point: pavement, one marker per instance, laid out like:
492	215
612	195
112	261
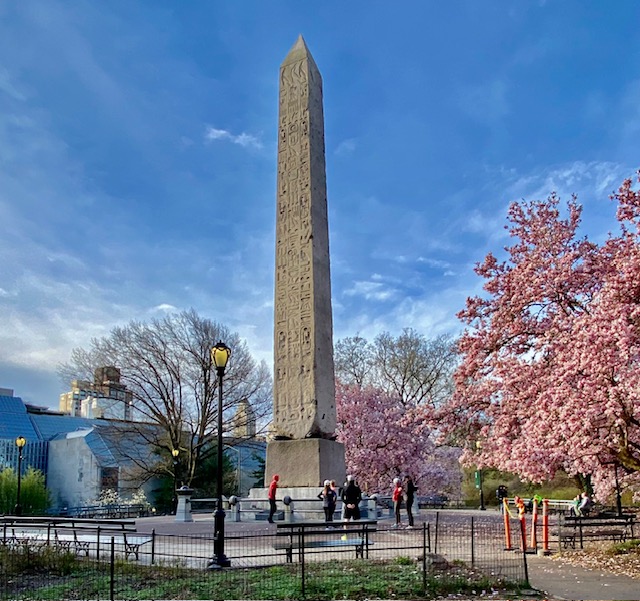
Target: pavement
559	580
554	579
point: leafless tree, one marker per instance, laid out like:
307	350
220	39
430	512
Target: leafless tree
353	358
167	365
410	367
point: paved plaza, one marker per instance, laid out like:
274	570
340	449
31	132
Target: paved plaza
556	579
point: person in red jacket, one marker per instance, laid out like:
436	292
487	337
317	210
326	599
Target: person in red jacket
397	501
272	497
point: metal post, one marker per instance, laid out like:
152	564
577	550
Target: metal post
18	508
523	535
219	559
424	557
174	498
473	550
482	507
112	569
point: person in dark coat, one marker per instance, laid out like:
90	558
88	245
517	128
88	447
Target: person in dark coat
351	497
329	499
410	490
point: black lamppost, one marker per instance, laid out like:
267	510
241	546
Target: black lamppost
220	354
174	499
20	442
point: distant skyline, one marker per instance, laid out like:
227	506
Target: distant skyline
138	156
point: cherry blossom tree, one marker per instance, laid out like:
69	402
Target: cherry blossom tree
384	439
550	375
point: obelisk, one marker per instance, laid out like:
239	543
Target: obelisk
304	452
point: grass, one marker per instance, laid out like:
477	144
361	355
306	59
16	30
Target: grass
626	548
77	578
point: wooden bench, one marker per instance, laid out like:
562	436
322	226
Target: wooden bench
325	535
77	534
22	539
114	510
132	544
83	543
577	529
60	542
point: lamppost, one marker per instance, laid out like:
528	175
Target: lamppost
175	453
479	480
20	442
220	354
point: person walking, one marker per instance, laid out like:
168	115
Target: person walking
410	491
396	497
351	497
329	498
272	497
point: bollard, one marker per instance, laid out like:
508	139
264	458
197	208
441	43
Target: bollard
234	506
507	525
533	543
288	509
545	526
372	509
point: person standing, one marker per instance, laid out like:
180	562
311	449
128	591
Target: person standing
329	498
351	497
272	497
501	495
410	491
396	497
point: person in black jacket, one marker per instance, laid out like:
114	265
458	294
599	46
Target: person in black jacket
351	497
329	498
410	491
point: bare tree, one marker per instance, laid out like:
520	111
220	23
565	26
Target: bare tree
354	361
167	365
412	368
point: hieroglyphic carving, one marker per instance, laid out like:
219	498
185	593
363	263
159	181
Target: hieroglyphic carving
304	391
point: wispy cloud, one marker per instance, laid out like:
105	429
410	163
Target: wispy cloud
586	179
7	86
371	291
164	308
346	147
435	263
245	140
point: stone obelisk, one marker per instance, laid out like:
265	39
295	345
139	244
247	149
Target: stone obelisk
304	452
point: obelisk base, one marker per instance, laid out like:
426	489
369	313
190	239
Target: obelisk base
307	462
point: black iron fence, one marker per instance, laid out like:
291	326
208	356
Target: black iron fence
314	561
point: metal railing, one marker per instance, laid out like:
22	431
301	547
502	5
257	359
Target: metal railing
440	548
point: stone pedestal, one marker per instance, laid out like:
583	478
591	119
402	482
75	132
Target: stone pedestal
183	512
305	463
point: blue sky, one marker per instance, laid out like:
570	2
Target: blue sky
138	156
